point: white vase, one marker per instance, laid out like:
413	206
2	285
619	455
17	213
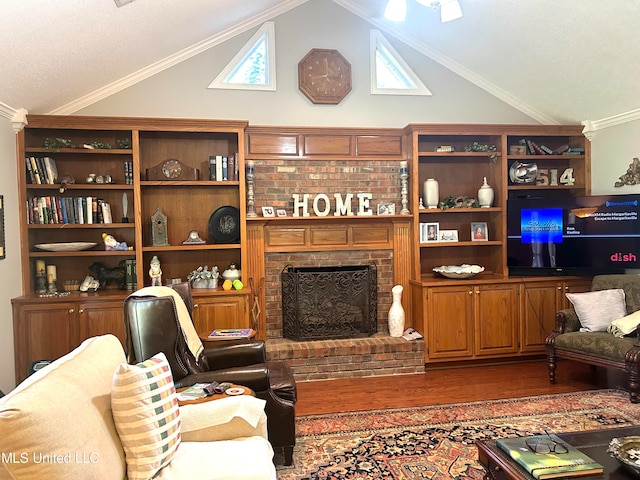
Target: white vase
485	195
396	313
431	193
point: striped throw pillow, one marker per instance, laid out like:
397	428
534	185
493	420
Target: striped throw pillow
146	414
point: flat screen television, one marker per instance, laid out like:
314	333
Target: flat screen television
574	235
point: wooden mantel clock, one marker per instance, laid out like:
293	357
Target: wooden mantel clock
324	76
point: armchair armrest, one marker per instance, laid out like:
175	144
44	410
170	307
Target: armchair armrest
567	321
224	419
236	355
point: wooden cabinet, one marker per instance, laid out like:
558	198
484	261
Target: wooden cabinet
224	310
469	321
539	302
48	330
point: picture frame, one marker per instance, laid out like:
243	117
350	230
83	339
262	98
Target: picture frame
386	209
281	212
268	212
479	232
2	239
429	232
448	236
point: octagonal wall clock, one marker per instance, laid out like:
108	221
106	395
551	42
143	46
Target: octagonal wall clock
324	76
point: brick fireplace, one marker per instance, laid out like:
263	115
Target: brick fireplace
330	241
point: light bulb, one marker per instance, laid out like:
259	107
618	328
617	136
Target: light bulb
396	10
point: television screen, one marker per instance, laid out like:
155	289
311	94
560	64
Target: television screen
573	236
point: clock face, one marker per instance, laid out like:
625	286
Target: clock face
324	76
171	169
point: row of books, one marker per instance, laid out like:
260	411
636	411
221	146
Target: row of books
78	210
41	170
130	272
223	167
534	148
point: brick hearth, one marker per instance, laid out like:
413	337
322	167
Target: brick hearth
378	355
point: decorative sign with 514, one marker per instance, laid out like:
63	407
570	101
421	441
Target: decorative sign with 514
549	176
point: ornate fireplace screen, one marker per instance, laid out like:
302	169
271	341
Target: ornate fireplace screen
320	303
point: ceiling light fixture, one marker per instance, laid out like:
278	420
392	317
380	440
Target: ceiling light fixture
396	10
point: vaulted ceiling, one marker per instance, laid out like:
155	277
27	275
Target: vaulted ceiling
566	60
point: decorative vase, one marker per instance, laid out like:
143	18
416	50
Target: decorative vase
396	313
431	193
485	195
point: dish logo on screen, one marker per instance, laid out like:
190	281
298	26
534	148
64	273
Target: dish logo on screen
624	257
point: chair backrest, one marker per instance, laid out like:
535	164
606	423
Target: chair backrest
630	283
152	326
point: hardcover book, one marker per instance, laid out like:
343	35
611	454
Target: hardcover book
553	463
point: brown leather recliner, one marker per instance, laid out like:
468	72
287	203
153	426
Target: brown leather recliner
152	326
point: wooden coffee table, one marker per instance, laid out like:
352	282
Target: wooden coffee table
498	464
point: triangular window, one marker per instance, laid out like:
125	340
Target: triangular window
390	74
254	66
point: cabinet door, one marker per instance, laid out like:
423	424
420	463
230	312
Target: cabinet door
539	304
449	322
220	311
496	314
571	286
42	332
100	318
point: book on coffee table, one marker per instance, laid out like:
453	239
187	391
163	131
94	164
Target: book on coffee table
558	458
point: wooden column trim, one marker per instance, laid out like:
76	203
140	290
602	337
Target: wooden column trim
256	274
402	263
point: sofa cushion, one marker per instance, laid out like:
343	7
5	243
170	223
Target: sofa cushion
596	310
246	458
597	344
64	410
146	414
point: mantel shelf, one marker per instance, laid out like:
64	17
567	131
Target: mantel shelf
330	218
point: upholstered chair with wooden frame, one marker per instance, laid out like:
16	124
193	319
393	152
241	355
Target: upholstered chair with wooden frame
152	326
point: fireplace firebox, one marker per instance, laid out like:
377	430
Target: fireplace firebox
320	303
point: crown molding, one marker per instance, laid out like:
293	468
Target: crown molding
18	116
591	127
176	58
6	111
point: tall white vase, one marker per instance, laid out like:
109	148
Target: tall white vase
396	313
431	193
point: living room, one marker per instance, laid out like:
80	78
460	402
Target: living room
180	87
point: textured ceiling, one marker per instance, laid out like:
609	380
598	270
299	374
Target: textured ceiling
566	60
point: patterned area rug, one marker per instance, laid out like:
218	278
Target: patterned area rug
438	442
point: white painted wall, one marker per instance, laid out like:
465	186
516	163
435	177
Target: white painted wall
181	92
10	280
612	151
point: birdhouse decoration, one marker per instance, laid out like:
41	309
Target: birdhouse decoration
159	229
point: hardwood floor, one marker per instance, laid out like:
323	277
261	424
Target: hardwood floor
451	385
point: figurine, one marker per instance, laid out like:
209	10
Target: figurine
110	243
155	273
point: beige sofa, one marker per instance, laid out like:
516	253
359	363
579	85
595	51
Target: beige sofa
58	424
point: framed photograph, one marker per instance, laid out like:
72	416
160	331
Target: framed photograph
429	232
281	212
268	212
479	232
386	209
448	235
